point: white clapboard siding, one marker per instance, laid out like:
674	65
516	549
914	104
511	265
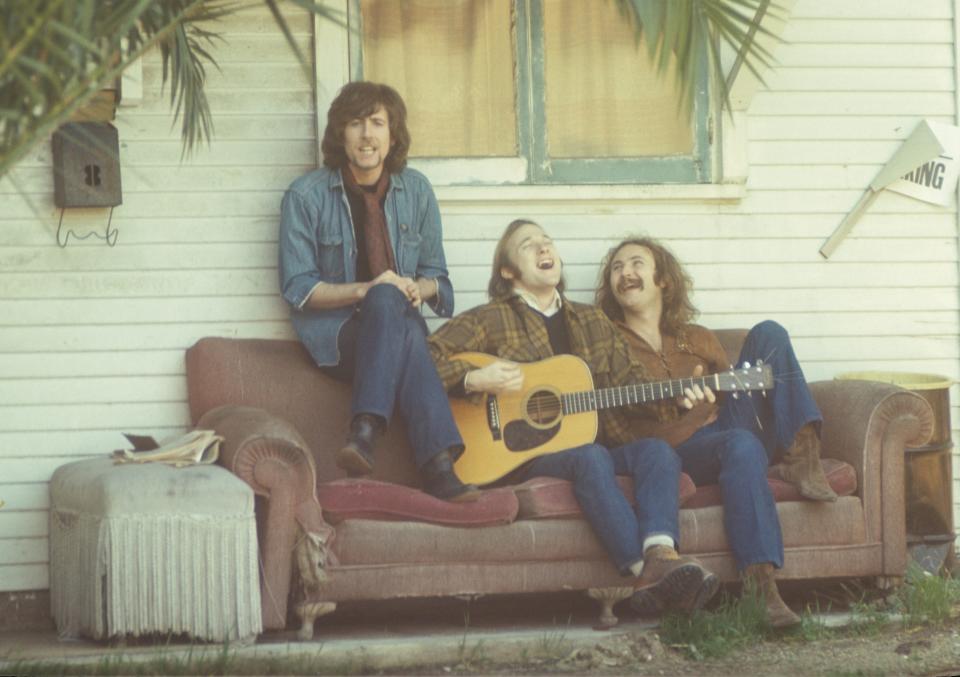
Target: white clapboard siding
92	338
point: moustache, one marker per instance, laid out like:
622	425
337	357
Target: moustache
630	284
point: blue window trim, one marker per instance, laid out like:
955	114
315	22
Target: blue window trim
533	135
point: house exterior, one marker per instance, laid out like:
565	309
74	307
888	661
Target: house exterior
92	337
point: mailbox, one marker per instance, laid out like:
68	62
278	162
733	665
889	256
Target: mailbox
86	165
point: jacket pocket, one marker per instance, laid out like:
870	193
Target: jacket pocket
409	252
330	258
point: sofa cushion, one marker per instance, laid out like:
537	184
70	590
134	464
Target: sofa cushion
373	500
841	477
551	497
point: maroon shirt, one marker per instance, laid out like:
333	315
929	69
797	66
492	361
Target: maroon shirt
693	345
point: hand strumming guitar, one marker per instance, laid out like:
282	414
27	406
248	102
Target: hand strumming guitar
497	377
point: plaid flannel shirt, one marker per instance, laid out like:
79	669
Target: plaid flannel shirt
511	330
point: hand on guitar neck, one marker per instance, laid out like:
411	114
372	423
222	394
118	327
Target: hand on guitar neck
694	394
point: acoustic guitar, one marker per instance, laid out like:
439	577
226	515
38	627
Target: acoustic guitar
557	410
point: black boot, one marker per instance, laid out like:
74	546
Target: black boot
440	481
356	456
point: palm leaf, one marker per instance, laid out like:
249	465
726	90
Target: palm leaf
687	32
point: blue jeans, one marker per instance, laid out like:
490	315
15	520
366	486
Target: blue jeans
383	351
655	470
776	418
749	431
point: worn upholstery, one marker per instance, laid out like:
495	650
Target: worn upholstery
139	549
283	419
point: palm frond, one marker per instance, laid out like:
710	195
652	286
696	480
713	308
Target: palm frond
687	33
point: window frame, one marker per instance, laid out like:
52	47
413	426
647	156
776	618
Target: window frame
533	166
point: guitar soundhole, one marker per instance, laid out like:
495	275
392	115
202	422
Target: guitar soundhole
542	408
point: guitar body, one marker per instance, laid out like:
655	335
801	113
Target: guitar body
502	432
557	410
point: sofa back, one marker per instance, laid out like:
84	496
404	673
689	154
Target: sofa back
280	377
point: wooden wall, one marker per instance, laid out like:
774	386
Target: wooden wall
92	337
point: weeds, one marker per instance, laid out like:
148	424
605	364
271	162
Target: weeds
554	644
812	628
714	634
926	598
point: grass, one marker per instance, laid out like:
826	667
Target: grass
731	624
924	599
735	623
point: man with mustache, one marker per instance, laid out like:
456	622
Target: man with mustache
645	291
528	319
360	249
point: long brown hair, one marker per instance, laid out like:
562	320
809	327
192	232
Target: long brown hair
500	287
358	100
678	310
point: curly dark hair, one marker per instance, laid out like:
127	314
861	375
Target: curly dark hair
500	287
358	100
678	310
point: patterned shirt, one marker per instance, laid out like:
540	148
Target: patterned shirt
510	329
691	347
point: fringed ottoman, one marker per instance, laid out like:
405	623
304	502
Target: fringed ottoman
140	549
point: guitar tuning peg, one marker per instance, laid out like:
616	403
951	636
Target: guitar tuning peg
746	365
760	363
736	395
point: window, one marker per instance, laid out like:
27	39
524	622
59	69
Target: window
530	91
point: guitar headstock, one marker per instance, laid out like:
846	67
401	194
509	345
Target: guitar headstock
746	378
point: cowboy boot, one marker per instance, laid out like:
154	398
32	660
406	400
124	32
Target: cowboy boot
800	466
669	581
760	577
440	481
356	456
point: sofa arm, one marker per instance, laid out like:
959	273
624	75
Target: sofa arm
868	424
863	415
271	456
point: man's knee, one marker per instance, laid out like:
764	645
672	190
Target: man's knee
592	458
743	449
382	298
653	452
770	330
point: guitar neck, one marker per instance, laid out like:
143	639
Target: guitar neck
640	393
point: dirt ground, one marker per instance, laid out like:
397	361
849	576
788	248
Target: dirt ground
881	648
891	652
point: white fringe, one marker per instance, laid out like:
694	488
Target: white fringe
147	574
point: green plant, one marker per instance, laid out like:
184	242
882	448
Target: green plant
554	644
926	598
867	618
713	634
812	627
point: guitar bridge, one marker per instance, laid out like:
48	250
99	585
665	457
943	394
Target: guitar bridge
493	418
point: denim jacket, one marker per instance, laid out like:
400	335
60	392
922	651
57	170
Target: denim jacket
317	246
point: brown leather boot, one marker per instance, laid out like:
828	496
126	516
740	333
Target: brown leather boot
669	581
801	467
760	576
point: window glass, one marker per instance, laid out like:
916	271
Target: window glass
604	97
453	63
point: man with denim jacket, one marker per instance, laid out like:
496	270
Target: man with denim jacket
360	249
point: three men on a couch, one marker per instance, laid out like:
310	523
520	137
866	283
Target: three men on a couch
361	248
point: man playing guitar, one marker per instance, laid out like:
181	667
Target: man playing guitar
645	290
528	319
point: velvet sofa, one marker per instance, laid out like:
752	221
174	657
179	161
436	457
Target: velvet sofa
325	539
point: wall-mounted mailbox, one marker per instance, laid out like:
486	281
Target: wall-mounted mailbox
86	165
